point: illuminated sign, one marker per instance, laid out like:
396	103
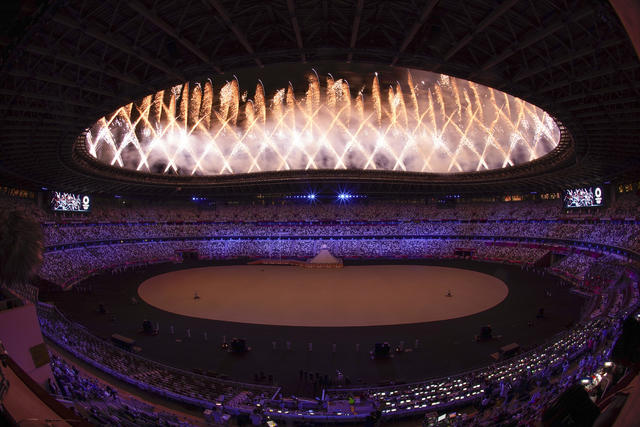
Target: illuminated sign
588	197
69	202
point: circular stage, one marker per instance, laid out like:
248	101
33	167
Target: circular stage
371	295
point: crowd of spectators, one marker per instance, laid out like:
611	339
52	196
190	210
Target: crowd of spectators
516	390
373	219
575	265
624	235
607	270
101	404
616	225
67	266
115	236
76	249
173	383
512	253
513	391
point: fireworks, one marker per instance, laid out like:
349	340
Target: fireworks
444	125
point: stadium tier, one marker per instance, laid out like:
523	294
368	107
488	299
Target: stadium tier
320	212
597	255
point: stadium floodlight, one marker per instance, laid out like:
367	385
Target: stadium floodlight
311	196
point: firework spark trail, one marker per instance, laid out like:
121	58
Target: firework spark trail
414	97
381	144
516	135
393	106
331	93
131	135
268	141
456	94
377	103
354	141
91	146
463	141
156	111
261	106
336	119
307	128
399	99
234	106
298	139
360	106
226	129
313	93
461	127
346	100
434	136
206	105
157	134
208	147
170	112
291	106
490	142
170	120
184	107
454	160
476	97
194	106
106	135
417	130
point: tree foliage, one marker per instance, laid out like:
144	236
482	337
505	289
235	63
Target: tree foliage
21	242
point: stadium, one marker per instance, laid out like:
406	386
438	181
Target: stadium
320	212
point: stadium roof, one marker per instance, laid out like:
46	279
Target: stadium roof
65	64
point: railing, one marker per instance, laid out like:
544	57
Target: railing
477	374
128	264
25	291
238	386
9	300
474	372
78	329
472	385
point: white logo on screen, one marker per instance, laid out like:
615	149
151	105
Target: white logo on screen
85	203
598	195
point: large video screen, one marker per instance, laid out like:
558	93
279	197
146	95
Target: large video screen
69	202
587	197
